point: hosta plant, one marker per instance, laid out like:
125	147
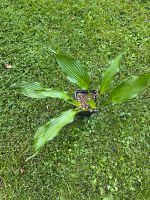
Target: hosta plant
84	100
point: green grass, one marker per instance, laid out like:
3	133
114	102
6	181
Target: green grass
101	157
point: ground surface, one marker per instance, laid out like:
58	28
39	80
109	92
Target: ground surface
103	157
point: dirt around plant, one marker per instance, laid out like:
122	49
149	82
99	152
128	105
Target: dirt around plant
83	98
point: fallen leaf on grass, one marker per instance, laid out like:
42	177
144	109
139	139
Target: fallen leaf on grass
8	66
21	170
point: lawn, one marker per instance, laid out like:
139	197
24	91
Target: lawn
101	157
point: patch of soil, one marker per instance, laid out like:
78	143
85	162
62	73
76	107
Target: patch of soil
83	98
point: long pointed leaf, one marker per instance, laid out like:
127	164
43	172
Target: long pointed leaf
129	88
108	75
52	128
75	72
37	90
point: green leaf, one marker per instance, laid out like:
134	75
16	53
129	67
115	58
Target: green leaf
75	72
52	128
92	103
129	88
37	90
108	75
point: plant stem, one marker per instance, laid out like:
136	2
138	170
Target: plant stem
73	102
